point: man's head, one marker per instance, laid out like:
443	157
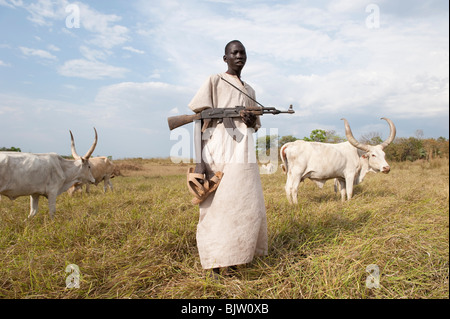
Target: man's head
235	56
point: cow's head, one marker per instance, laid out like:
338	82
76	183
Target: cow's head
374	153
85	175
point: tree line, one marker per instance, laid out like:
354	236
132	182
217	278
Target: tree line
400	150
10	149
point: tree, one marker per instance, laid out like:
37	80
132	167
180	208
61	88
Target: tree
286	139
405	149
371	138
332	137
316	136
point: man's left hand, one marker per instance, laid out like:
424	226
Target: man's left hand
249	118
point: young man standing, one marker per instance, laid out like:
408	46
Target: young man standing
232	227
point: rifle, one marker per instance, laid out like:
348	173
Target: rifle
226	114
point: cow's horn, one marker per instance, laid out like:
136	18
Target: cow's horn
351	139
74	151
91	150
392	133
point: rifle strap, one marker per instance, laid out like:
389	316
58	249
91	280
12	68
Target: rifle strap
242	92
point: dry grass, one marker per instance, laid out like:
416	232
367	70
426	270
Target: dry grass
139	242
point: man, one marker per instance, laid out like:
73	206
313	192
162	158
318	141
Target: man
232	227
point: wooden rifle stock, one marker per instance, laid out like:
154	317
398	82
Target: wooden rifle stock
180	120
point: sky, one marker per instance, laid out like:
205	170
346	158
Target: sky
123	67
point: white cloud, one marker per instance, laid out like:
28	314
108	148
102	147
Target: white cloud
53	47
140	95
174	111
42	11
37	52
92	70
93	54
4	63
131	49
106	33
10	4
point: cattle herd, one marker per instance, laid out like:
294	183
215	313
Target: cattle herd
49	175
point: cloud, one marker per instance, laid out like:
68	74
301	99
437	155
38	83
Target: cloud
37	52
131	49
93	54
91	70
4	64
143	107
149	96
174	111
104	30
53	47
11	3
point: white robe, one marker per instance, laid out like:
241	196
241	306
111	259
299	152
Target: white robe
232	227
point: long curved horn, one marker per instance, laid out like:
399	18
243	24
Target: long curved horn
351	139
91	150
74	151
392	133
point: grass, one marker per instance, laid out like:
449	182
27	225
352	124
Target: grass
139	242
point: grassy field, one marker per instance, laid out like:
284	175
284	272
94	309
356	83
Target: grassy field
139	242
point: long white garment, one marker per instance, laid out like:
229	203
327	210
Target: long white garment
232	227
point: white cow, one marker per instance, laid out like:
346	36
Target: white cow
348	162
49	175
102	169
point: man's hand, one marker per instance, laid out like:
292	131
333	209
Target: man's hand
248	118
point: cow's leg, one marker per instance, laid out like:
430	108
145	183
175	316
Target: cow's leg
106	183
288	187
349	186
87	188
292	182
343	189
294	190
52	205
34	204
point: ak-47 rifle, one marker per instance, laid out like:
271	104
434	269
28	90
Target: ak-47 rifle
226	114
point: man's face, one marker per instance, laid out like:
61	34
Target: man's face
235	57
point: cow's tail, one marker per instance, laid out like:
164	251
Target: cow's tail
284	165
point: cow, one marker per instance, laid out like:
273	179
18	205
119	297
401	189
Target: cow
49	175
348	162
102	169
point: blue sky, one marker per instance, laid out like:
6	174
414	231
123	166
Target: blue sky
131	64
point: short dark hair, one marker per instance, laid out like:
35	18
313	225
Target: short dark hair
230	43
